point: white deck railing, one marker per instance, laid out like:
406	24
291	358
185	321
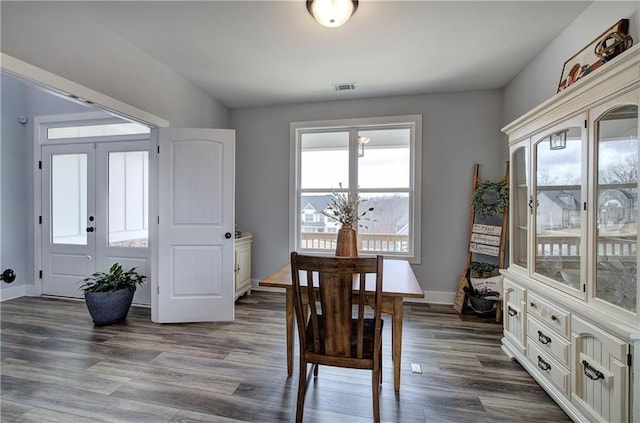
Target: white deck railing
366	242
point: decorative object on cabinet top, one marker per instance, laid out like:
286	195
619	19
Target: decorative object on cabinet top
605	47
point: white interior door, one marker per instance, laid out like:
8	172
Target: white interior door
195	225
95	201
68	219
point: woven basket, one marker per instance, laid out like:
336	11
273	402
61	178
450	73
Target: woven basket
480	274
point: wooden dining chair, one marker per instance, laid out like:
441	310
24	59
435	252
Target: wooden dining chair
335	325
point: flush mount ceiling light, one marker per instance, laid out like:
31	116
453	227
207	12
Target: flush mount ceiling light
332	13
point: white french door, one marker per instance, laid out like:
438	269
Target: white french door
95	211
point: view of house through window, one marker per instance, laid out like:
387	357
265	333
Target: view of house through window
374	162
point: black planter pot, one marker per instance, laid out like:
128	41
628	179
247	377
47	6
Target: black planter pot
107	308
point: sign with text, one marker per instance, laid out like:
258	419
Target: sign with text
485	239
487	229
484	249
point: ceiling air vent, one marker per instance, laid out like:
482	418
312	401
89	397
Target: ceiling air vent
347	86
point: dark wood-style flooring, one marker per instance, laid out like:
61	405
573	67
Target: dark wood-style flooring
58	367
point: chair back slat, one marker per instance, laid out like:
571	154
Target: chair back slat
335	302
311	300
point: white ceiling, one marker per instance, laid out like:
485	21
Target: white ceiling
255	53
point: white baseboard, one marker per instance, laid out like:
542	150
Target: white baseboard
11	292
434	297
430	297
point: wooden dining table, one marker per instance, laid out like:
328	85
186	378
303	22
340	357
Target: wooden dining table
398	282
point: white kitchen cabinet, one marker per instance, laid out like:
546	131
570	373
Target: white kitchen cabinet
570	288
242	265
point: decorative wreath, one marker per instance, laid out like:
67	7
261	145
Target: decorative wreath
491	198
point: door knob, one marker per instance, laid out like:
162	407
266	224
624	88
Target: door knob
90	229
9	275
227	235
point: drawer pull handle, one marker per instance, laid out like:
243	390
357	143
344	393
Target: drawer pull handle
591	372
533	305
512	311
543	364
544	339
554	318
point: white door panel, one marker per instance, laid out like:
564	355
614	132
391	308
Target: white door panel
122	179
68	198
196	220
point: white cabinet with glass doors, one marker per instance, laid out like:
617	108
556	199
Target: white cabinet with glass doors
573	250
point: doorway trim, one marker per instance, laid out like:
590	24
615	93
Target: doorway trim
72	91
40	141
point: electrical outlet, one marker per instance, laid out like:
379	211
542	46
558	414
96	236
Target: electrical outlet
415	368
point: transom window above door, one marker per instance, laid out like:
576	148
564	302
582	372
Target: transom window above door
100	130
375	158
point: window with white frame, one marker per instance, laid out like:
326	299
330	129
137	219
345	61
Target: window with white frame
375	158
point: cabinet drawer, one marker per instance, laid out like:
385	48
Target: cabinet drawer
548	340
549	367
550	314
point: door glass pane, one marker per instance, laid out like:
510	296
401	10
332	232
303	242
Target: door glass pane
128	199
384	159
69	199
617	194
559	206
325	160
520	206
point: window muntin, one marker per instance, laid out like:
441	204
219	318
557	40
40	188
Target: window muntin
384	172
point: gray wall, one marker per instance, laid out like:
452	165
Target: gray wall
458	131
17	172
60	38
539	80
14	167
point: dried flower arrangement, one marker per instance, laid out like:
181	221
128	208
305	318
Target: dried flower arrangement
344	209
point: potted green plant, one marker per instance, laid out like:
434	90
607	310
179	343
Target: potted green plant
109	295
480	269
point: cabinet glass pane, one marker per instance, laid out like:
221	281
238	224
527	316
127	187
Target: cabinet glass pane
520	205
558	206
617	212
